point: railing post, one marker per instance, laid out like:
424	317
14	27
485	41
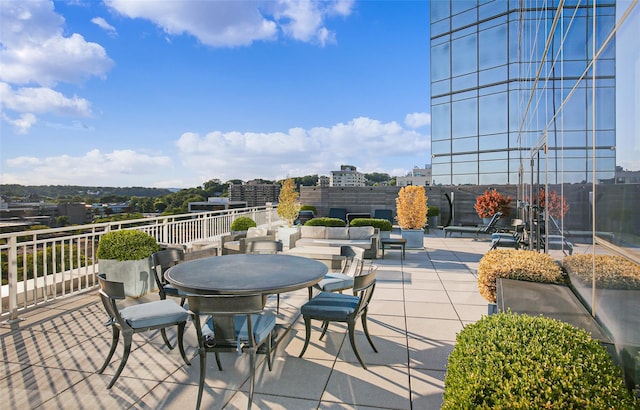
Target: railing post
269	208
13	280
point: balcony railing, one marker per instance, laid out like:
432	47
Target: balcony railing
42	265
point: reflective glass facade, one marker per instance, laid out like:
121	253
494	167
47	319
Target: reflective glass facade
499	87
546	99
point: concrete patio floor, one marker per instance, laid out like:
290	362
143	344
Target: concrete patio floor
49	360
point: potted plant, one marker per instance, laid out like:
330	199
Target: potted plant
433	216
491	202
617	281
411	210
288	207
555	205
242	224
514	264
125	256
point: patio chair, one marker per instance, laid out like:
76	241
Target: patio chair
511	239
160	262
266	247
383	214
343	279
340	213
477	230
136	319
338	307
239	323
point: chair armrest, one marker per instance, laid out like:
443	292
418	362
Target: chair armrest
293	238
230	238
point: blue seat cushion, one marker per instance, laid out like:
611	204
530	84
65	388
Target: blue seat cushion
153	314
170	290
262	325
334	282
330	306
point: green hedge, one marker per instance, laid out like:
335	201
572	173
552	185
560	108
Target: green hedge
127	244
509	361
326	222
242	223
382	224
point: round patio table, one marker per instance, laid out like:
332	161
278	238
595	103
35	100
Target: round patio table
245	274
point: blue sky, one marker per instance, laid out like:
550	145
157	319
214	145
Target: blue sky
174	93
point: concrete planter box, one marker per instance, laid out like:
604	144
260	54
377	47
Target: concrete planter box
414	238
136	275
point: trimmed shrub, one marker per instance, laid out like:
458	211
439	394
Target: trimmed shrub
526	265
242	223
612	271
433	211
509	361
382	224
323	221
127	244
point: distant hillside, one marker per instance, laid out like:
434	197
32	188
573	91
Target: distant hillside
60	191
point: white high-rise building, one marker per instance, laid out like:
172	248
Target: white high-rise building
347	176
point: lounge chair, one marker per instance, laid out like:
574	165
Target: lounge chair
511	239
477	230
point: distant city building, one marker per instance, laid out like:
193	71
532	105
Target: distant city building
20	215
628	177
347	176
324	181
216	204
77	213
254	193
418	176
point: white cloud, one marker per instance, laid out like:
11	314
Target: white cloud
238	23
22	124
116	168
103	24
417	119
42	100
364	142
370	145
34	50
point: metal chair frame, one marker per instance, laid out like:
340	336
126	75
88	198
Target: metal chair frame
110	292
363	288
222	309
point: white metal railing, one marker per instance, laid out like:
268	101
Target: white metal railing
42	265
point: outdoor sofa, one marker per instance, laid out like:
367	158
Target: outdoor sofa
366	237
235	243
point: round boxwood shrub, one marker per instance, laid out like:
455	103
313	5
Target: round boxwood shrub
518	264
242	223
323	221
127	244
509	361
382	224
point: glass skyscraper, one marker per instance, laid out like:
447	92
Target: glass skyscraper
511	82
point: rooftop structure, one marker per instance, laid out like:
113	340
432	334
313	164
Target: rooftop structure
348	176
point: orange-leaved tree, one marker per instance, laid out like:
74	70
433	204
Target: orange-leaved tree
492	202
411	207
